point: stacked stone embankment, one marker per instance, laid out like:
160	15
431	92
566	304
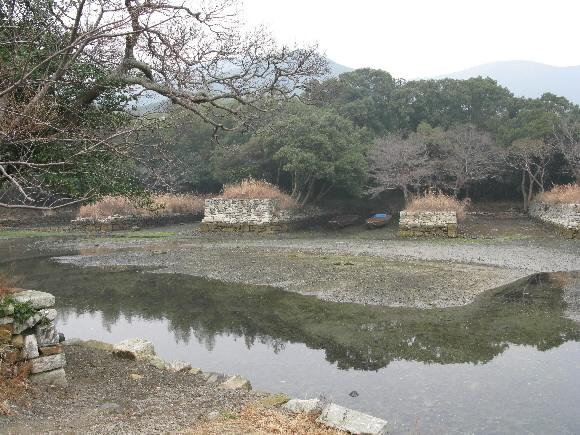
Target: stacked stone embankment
564	217
28	336
242	215
428	223
125	223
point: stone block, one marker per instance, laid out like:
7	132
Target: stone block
37	299
53	377
47	363
135	349
157	362
236	383
6	320
46	334
214	378
352	421
303	405
28	323
30	349
51	350
48	314
178	366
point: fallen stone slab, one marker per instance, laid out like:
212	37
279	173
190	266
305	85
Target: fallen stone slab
155	361
303	405
134	349
213	378
236	383
36	299
48	363
352	421
53	377
178	366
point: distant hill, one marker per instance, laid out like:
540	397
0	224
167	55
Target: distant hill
153	102
528	79
336	69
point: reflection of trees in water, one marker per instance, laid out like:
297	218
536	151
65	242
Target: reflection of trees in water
352	336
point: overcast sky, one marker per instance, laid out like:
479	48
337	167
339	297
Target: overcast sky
424	38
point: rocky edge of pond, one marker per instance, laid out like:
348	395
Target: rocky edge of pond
127	388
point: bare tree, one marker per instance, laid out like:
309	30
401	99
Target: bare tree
68	66
531	157
568	140
469	156
399	163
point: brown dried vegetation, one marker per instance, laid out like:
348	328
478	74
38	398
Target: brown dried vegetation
256	189
433	201
166	204
564	194
262	421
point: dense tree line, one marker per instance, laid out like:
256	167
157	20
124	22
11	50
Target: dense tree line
366	132
70	69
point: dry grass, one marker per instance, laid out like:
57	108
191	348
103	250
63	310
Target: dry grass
256	189
166	204
437	202
262	421
564	194
13	384
7	285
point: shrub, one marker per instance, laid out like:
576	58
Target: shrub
564	194
437	202
256	189
164	204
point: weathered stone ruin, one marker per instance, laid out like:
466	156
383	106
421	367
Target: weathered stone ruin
28	335
125	223
564	217
428	223
244	215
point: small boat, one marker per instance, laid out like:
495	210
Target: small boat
344	221
378	220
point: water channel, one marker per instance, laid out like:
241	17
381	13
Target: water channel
508	363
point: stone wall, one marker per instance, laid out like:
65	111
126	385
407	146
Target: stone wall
428	223
252	215
23	218
124	223
241	211
564	217
28	335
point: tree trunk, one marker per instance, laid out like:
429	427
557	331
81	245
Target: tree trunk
523	187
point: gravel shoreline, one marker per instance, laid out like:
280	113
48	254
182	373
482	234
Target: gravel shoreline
398	273
103	398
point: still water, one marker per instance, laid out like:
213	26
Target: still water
508	363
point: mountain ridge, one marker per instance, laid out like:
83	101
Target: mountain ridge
527	78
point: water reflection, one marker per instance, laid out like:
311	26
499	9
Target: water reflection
529	312
509	363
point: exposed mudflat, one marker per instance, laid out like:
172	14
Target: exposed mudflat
346	267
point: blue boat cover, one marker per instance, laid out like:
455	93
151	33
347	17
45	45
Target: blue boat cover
379	215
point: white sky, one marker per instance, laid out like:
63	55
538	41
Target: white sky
423	38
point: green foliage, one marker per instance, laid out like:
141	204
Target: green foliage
365	96
319	149
22	311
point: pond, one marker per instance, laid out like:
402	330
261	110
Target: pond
508	363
